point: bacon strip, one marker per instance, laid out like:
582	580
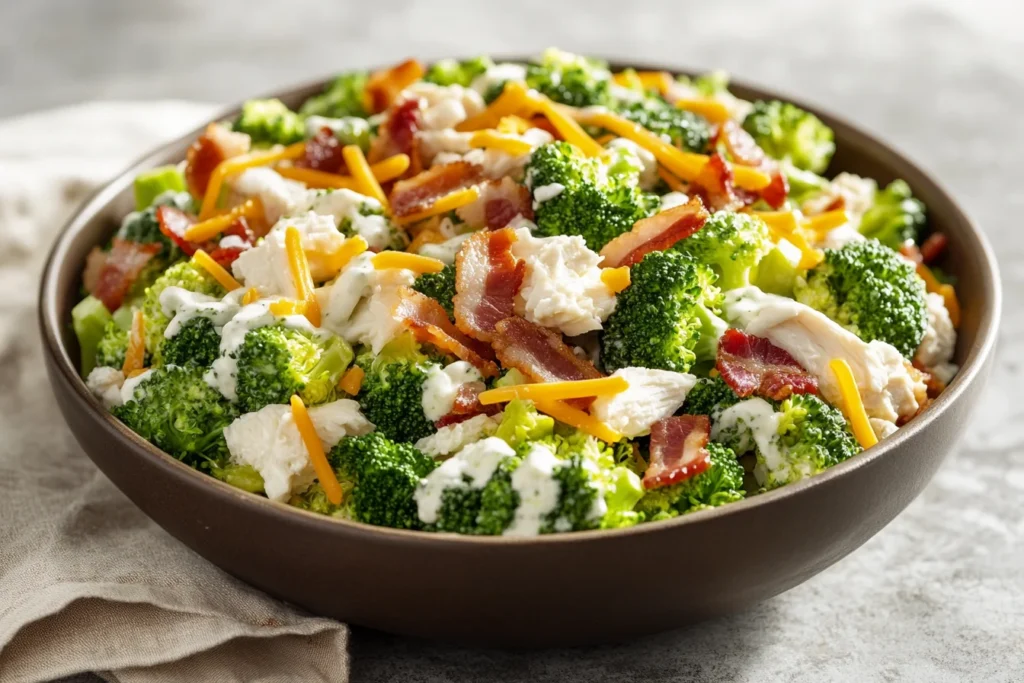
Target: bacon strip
655	233
467	405
174	223
678	450
933	247
750	364
487	279
124	262
215	145
500	201
744	151
397	135
429	322
417	193
715	186
323	153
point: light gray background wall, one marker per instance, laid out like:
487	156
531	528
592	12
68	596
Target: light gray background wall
939	594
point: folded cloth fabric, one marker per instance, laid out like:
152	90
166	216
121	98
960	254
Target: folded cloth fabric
87	582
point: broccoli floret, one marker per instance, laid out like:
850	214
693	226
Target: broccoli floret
777	272
151	184
245	477
571	79
592	204
186	275
270	122
391	396
277	362
439	286
666	319
814	435
315	500
721	483
732	244
895	217
383	475
709	396
708	84
785	131
112	346
454	72
685	129
871	291
177	411
521	425
342	97
196	343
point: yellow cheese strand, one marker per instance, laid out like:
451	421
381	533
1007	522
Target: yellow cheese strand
251	296
509	102
365	180
615	279
215	270
555	391
852	404
493	140
315	449
413	262
383	171
301	277
567	126
352	380
207	230
285	307
578	419
350	248
824	222
237	164
713	110
450	201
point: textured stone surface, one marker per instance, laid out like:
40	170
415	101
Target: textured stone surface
936	596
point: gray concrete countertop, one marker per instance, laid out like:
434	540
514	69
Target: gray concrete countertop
936	596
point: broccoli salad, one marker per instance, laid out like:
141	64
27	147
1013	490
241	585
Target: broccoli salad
516	299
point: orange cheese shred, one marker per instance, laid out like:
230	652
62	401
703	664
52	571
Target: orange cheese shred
365	181
567	127
352	380
285	307
216	270
450	201
383	171
413	262
674	183
301	277
251	296
510	102
713	110
853	407
424	237
615	279
555	391
315	449
824	222
579	419
948	293
208	229
135	355
350	248
491	139
229	167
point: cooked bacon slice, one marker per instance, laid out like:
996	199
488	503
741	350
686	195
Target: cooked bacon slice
94	263
429	323
655	233
417	193
174	223
467	404
487	279
775	193
500	201
323	153
750	364
541	121
124	262
397	135
212	147
740	145
933	247
384	86
715	186
678	450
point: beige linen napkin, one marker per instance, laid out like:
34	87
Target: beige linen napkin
87	582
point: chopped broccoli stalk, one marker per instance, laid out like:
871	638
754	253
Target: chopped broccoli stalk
732	244
521	424
391	396
196	343
895	217
511	378
666	319
277	362
570	79
176	410
439	286
591	204
721	483
270	122
685	129
151	184
89	320
871	291
787	132
186	275
314	499
342	97
382	475
454	72
778	270
803	184
244	477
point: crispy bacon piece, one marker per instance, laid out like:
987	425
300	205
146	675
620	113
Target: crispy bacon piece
215	145
397	135
655	233
541	121
776	191
383	86
429	323
500	201
933	384
909	251
124	262
714	185
323	153
417	193
175	222
487	279
740	145
678	450
94	263
750	364
467	404
933	247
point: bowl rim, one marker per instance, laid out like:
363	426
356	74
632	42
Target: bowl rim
51	323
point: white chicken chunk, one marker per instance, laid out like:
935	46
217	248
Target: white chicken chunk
454	437
279	195
652	395
105	384
939	342
443	106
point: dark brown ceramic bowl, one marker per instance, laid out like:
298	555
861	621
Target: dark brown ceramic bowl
554	590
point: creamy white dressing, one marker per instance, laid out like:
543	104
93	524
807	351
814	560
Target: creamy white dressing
671	200
105	384
279	195
182	305
233	242
445	251
443	384
472	466
499	73
345	205
371	321
652	395
758	424
355	282
132	388
545	192
538	491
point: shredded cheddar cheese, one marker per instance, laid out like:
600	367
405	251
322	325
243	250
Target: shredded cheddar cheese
424	237
824	222
555	391
315	449
229	167
285	307
655	80
251	296
207	230
452	200
352	380
365	181
216	271
628	79
852	404
135	355
567	126
513	125
301	277
383	171
350	248
784	225
946	291
713	110
491	139
674	184
414	262
578	419
615	279
511	102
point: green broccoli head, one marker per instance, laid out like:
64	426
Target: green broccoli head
177	411
186	275
721	483
270	122
709	396
685	129
484	511
112	346
666	319
391	396
732	244
593	204
454	72
571	79
895	217
382	476
871	291
277	362
785	131
342	97
439	286
196	343
521	425
813	435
